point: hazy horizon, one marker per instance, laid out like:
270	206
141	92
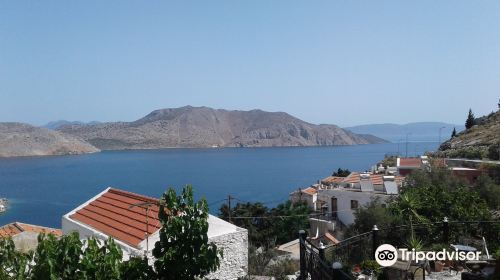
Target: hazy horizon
334	62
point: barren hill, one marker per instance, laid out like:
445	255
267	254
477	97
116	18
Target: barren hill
18	139
206	127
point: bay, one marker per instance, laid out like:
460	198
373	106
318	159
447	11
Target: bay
42	189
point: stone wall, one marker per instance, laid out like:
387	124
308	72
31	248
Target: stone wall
235	261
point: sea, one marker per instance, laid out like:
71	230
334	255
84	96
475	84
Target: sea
41	190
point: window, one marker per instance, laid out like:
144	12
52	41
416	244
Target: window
354	204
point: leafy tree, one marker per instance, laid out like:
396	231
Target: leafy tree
70	258
454	133
372	214
253	217
137	268
494	151
13	264
341	172
268	227
489	191
293	217
470	120
183	251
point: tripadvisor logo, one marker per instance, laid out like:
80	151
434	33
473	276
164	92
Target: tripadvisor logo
387	255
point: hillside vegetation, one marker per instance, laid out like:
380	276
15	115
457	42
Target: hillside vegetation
481	140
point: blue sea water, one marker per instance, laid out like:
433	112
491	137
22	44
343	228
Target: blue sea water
42	189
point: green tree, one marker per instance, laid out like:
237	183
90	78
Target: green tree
494	151
470	120
137	268
341	172
289	219
372	214
489	191
183	251
13	264
454	133
254	218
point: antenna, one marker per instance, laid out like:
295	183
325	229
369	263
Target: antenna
147	206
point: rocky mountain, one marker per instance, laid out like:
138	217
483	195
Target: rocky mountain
18	139
480	141
419	131
206	127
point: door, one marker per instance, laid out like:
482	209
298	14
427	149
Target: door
334	207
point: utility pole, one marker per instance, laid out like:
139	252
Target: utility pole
229	197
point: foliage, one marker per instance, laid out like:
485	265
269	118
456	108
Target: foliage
267	227
341	172
13	264
470	120
281	268
489	191
371	265
454	132
294	217
262	261
426	198
494	151
137	269
372	214
259	226
183	251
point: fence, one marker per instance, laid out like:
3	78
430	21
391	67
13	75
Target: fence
319	262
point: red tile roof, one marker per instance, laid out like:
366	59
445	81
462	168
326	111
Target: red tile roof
332	180
310	191
15	228
352	178
111	214
410	162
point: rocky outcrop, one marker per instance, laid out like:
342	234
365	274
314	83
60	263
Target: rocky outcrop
206	127
480	141
18	139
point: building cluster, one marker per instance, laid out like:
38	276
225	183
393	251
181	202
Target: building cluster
335	199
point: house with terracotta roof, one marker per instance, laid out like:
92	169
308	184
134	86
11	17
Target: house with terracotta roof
25	236
308	195
132	221
342	197
406	166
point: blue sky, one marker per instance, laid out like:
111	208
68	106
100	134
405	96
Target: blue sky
341	62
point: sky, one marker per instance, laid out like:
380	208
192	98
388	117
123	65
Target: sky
338	62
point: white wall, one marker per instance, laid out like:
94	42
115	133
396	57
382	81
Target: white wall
234	264
345	214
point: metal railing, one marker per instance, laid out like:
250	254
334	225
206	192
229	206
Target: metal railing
325	262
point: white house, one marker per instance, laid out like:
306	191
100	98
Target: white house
344	197
308	195
132	221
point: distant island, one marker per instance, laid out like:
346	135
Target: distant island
417	131
206	127
19	139
185	127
